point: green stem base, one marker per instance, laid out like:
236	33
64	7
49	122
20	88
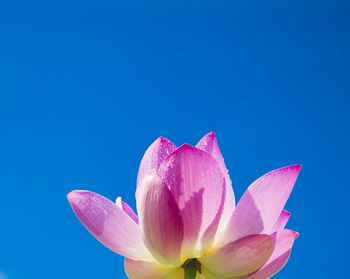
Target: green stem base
190	269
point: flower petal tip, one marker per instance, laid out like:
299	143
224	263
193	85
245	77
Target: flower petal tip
292	170
74	195
154	156
208	139
187	147
163	140
286	212
211	135
295	168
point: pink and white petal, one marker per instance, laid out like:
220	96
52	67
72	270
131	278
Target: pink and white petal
262	203
281	221
160	220
148	270
109	224
127	209
209	144
279	257
210	234
197	184
240	257
154	156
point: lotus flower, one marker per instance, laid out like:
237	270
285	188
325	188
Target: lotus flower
187	222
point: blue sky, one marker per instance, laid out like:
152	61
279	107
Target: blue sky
86	86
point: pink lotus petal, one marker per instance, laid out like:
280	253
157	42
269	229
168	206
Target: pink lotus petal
197	184
260	206
160	220
209	144
127	209
210	233
109	224
281	221
279	257
154	156
240	257
148	270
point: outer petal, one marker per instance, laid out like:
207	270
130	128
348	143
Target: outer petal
240	257
160	220
127	209
209	144
197	184
109	224
281	221
279	257
148	270
154	156
260	206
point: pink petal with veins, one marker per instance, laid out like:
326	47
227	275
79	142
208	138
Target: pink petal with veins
197	184
279	257
209	144
109	224
154	156
160	220
240	257
261	205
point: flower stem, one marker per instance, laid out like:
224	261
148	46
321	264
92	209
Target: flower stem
190	270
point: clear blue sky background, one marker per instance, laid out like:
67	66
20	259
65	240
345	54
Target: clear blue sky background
86	86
